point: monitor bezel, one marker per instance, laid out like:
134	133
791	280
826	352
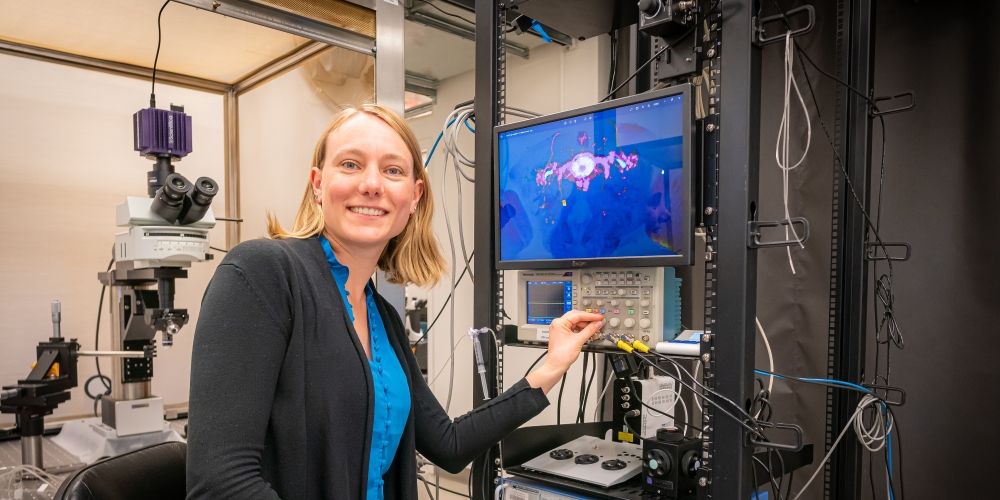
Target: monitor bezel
685	258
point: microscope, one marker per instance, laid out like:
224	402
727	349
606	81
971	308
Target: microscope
165	233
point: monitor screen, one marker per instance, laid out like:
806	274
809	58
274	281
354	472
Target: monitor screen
548	300
604	185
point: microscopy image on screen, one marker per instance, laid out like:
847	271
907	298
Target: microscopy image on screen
607	184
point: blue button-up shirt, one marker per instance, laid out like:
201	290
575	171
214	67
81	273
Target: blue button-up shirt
392	394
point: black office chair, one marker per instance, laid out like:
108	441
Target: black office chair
154	473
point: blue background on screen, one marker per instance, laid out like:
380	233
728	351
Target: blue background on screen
606	184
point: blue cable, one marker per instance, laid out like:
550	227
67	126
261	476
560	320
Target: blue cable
541	31
434	147
819	380
888	443
469	126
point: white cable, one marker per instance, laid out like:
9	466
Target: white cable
770	358
781	149
866	402
10	481
496	492
451	304
597	407
438	374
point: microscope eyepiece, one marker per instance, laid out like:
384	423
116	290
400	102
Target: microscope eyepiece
169	199
200	199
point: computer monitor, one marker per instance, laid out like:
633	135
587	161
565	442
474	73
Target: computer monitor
605	185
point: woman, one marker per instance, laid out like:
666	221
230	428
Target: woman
302	382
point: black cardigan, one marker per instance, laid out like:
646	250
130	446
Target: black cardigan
281	396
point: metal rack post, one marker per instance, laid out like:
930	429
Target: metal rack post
849	269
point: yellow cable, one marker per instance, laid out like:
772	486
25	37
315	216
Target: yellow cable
639	346
625	347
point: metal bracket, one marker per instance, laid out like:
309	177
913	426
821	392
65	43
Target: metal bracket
902	394
873	251
779	446
909	93
762	40
754	227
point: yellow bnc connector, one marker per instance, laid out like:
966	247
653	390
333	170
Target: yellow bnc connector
639	346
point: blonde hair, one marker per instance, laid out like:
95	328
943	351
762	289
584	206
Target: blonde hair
412	256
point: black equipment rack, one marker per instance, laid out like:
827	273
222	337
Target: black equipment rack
727	211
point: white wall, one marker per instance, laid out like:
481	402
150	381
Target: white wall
280	123
66	161
551	80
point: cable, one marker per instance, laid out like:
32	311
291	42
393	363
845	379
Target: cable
601	397
218	249
676	399
428	487
440	311
593	372
435	7
583	388
614	59
159	33
770	357
781	149
535	363
453	492
562	385
455	346
97	338
864	404
643	66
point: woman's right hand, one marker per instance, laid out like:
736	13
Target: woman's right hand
567	334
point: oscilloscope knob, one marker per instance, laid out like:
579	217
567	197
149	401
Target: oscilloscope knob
615	322
621	291
586	302
644	323
629	322
644	303
586	279
614	302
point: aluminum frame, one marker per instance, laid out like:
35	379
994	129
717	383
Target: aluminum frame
684	259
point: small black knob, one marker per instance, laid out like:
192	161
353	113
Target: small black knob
649	7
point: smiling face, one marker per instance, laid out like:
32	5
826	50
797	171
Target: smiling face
366	186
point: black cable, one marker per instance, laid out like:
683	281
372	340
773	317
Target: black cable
593	371
640	68
97	337
159	33
535	363
424	336
453	492
757	432
695	380
665	414
790	476
899	446
439	9
428	487
562	385
219	249
614	59
583	388
756	489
